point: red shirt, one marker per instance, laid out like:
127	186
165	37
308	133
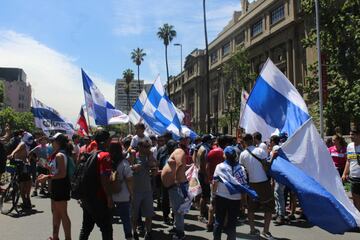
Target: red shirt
104	168
215	156
338	157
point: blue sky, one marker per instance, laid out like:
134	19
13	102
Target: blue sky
51	40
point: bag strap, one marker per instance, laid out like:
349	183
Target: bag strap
256	157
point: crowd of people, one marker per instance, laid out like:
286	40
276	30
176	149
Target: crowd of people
125	177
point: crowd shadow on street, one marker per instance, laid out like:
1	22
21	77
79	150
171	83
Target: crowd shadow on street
22	213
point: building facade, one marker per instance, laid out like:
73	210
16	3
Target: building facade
267	29
121	102
17	91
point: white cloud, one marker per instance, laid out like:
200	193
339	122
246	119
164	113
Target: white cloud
55	78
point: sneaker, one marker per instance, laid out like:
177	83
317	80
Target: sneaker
267	236
254	232
180	236
280	220
34	194
172	231
167	221
209	227
42	192
291	217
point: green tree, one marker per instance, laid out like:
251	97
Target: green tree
167	33
137	55
2	89
237	71
128	75
340	43
17	120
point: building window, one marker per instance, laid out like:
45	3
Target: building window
257	28
226	49
214	57
277	14
240	38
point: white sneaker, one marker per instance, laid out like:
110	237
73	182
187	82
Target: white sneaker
267	236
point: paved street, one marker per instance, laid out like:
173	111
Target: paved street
37	226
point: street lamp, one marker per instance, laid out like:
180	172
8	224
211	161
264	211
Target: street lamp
181	61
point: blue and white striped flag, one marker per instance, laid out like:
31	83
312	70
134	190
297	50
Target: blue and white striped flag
158	113
101	110
48	119
304	164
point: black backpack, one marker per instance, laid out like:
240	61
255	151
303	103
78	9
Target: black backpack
85	180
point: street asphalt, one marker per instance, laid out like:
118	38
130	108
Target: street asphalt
36	225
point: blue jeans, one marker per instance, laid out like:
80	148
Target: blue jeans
177	197
123	209
279	199
225	208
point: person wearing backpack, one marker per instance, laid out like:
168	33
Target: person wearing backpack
60	185
122	187
96	200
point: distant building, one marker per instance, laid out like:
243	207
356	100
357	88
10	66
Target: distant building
17	92
267	29
121	97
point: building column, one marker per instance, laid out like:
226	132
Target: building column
289	61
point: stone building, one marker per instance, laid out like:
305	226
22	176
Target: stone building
121	97
267	29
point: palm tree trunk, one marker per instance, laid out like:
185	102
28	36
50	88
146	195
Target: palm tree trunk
167	72
139	78
207	71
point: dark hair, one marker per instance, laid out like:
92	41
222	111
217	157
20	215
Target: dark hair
171	145
355	130
248	139
126	142
257	136
116	155
275	139
75	136
64	144
140	125
222	141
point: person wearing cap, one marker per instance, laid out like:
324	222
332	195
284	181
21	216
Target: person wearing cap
352	167
21	153
174	179
227	203
98	210
200	163
60	185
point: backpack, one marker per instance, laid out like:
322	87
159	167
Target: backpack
70	166
85	180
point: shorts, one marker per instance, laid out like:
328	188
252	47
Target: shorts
265	201
60	190
205	187
143	201
355	185
24	177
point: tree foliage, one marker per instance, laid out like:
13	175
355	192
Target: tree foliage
237	70
340	43
17	120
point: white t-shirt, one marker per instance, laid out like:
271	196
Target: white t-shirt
353	153
124	171
222	190
53	164
253	166
135	140
263	146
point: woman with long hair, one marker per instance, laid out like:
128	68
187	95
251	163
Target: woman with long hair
60	185
123	194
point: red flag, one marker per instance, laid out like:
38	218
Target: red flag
83	127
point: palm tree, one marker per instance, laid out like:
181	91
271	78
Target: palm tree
128	75
167	34
137	55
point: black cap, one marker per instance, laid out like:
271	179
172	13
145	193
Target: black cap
101	136
206	138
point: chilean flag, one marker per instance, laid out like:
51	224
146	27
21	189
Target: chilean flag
83	127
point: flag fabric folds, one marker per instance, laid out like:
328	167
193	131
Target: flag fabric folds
48	119
101	110
83	126
304	164
273	105
158	113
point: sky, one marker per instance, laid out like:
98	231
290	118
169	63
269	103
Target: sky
52	40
